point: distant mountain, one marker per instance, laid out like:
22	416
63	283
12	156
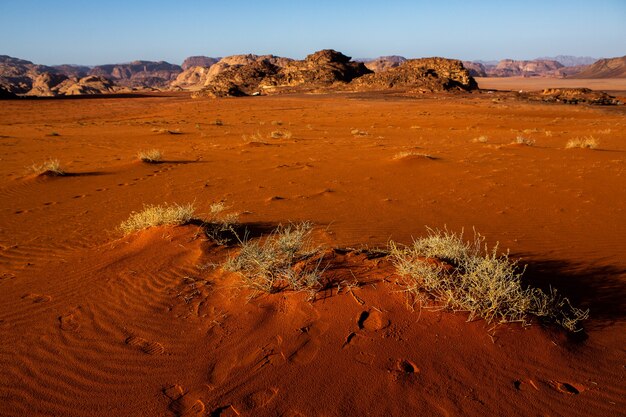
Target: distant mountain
139	73
604	68
198	61
570	61
383	63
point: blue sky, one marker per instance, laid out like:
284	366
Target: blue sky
86	32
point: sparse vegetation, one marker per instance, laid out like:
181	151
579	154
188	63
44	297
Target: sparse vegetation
284	260
412	154
152	156
588	142
481	139
158	215
468	276
521	140
255	137
49	167
220	227
281	134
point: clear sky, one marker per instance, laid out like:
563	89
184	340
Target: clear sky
99	32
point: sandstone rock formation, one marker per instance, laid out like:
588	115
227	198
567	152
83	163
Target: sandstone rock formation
198	61
321	69
604	68
17	75
384	63
570	60
425	74
51	85
577	95
139	73
196	78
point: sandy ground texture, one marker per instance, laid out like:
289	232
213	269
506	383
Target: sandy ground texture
94	323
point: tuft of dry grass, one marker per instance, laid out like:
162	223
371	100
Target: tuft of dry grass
285	260
152	156
521	140
468	276
481	139
158	215
49	167
412	154
281	134
220	226
588	142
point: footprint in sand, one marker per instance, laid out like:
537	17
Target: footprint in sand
69	321
566	388
308	343
257	400
37	298
147	347
404	370
372	321
182	404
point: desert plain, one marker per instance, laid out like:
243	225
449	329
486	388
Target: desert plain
95	322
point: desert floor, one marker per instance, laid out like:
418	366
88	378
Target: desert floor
93	323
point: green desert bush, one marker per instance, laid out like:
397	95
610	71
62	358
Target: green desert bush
284	260
158	215
468	276
588	142
152	156
49	167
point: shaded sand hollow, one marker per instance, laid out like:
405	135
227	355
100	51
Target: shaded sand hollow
96	324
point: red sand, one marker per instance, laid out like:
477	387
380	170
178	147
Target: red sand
95	324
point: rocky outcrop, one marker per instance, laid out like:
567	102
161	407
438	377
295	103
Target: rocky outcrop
79	71
604	68
322	68
240	80
268	74
196	78
577	95
384	63
52	85
425	74
198	61
139	74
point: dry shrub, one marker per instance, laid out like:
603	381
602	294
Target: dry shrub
285	260
221	226
152	156
281	134
49	167
468	276
481	139
521	140
588	142
412	154
357	132
158	215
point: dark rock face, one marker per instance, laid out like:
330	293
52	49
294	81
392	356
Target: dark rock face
198	61
6	94
425	74
139	73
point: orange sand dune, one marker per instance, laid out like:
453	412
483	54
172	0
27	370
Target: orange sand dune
96	324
